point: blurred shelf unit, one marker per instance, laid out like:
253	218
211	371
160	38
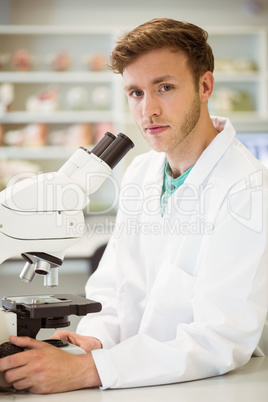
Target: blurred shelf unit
67	65
57	117
56	94
56	76
241	75
36	153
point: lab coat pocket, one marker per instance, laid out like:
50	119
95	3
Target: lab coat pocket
169	303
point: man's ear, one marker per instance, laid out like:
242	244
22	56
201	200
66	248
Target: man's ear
206	85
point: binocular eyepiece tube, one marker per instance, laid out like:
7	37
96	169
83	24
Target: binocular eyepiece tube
100	147
111	149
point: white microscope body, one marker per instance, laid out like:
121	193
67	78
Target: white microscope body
38	217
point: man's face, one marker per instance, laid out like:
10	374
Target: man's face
162	98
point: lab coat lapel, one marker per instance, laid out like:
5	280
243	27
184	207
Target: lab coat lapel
190	211
213	153
152	188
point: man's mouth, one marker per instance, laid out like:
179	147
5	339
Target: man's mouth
153	129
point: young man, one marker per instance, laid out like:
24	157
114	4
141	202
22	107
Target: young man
184	287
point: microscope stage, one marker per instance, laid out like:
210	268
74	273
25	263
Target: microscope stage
50	305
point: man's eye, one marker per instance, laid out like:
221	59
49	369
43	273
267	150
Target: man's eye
136	94
165	88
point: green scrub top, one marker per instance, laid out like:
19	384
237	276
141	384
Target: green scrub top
170	185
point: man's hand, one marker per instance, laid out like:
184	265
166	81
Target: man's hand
46	369
87	343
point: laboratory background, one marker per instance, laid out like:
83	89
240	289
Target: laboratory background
56	95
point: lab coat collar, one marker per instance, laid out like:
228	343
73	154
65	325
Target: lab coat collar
214	151
206	162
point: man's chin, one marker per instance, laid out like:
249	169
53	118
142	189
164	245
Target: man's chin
158	148
155	145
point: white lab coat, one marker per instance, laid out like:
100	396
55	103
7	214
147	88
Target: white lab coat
184	296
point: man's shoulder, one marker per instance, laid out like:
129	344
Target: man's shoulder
147	157
145	168
150	163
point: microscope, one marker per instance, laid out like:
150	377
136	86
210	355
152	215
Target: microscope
38	217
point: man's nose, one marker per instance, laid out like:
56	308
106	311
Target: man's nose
151	106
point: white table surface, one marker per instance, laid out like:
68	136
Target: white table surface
246	384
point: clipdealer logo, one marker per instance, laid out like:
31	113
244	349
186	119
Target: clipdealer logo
245	202
176	227
50	192
132	226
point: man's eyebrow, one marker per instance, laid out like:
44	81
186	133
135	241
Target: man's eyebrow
131	87
162	78
156	80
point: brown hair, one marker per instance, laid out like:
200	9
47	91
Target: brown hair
164	32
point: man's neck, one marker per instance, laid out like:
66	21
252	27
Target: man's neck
188	152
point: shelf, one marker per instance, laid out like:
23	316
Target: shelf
33	153
57	117
56	30
240	76
57	77
235	30
106	76
247	117
247	122
106	29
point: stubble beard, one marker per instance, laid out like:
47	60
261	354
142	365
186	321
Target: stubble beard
186	128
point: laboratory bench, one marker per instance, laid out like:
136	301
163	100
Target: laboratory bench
247	384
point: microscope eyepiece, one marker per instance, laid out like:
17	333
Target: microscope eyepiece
104	143
116	150
111	149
